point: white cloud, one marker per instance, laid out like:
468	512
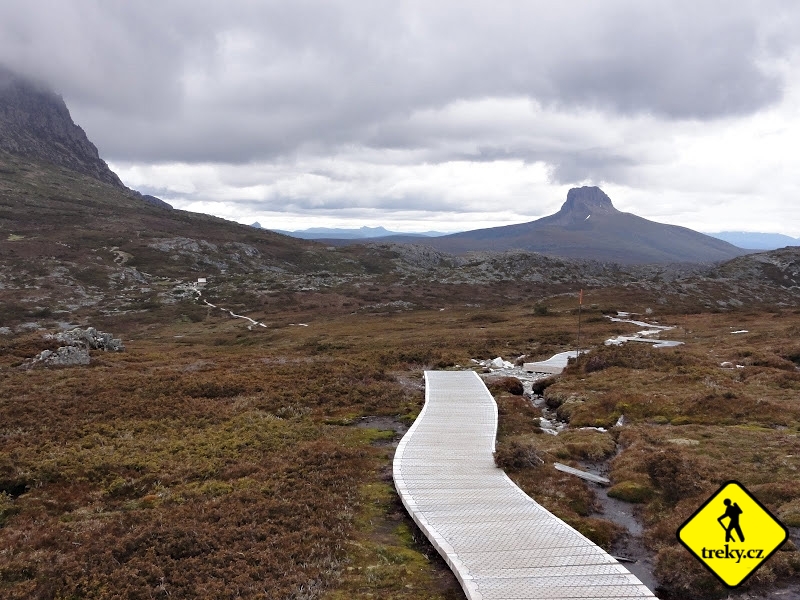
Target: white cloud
461	114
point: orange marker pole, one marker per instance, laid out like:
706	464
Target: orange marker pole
580	309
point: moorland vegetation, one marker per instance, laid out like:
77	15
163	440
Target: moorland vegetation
216	459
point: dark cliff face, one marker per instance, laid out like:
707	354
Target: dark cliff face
581	204
588	200
35	123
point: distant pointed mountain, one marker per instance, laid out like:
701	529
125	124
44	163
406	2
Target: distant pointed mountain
362	233
588	226
755	240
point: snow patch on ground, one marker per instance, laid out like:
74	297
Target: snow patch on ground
553	365
495	363
652	329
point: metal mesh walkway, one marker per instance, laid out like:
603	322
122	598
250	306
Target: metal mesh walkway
499	543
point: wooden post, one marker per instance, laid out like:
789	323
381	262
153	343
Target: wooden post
580	308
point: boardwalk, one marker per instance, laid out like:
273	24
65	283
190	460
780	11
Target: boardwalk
499	542
553	365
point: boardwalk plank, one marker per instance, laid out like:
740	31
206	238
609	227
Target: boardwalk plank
500	543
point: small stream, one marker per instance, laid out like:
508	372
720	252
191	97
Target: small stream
630	545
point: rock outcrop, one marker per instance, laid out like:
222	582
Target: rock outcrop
75	352
91	339
588	200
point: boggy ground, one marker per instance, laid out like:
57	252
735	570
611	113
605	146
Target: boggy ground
210	460
690	425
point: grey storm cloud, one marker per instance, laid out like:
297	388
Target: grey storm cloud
240	81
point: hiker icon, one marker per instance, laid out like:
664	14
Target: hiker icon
732	512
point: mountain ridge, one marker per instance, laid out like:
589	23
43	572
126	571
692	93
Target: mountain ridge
343	233
588	226
756	240
35	123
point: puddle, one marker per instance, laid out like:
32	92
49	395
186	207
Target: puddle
384	424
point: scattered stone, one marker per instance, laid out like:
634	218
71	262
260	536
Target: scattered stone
5	331
727	365
396	304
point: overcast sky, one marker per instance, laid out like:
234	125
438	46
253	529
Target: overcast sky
443	115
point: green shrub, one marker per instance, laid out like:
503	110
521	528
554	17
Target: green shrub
633	356
555	398
601	531
789	513
569	406
682	420
540	385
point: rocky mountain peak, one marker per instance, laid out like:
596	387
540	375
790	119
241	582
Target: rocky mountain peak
586	201
35	123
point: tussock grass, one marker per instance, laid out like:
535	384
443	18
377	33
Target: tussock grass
691	425
223	459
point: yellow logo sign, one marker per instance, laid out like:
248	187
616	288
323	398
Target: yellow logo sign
732	534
